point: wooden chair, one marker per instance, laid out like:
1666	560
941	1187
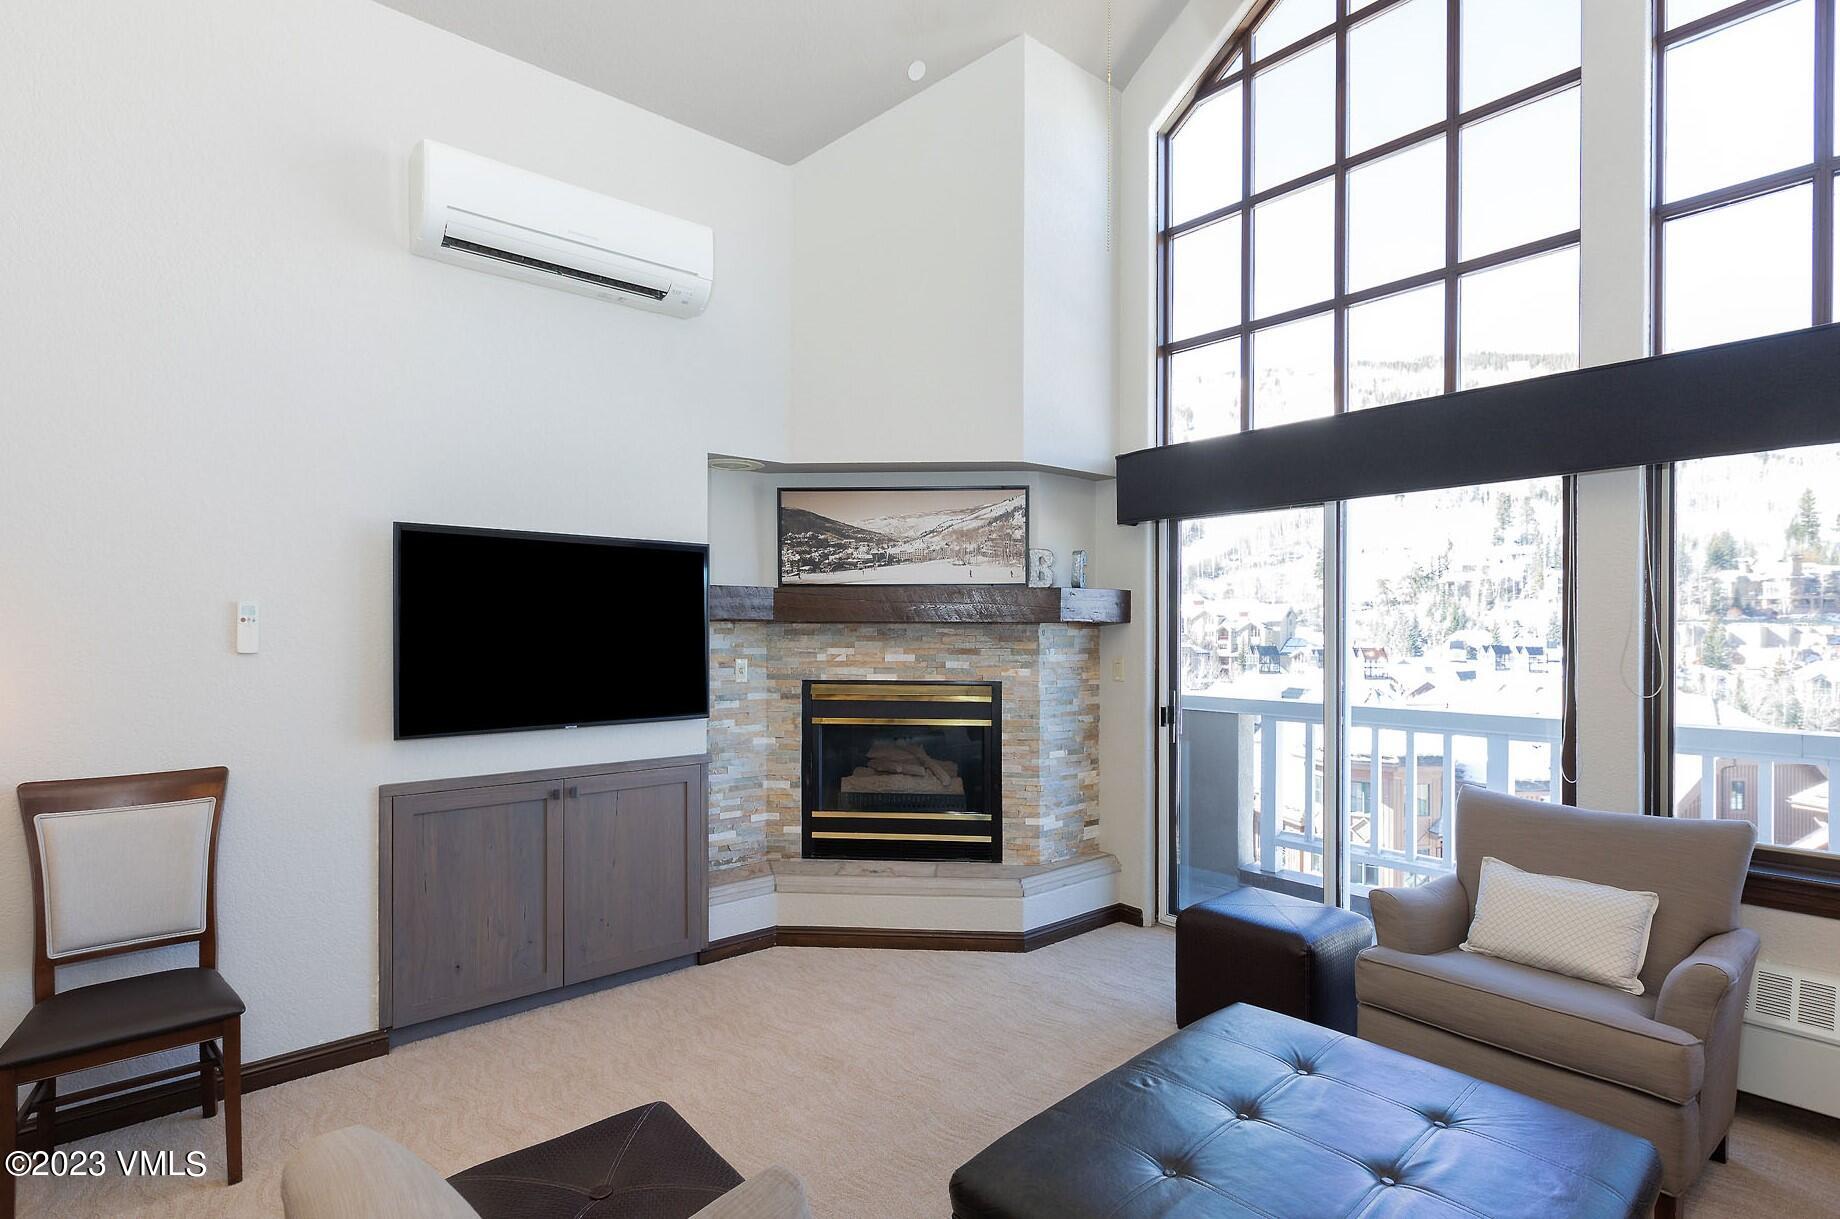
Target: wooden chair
122	865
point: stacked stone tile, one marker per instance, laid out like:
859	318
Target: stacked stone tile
1050	677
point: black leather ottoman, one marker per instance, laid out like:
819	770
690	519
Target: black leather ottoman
646	1163
1251	1114
1279	952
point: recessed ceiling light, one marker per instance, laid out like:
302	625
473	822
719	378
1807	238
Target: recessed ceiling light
742	465
916	70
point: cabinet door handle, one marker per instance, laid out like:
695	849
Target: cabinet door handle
555	793
574	792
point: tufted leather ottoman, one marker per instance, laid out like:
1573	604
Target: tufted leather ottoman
1280	952
1250	1113
646	1163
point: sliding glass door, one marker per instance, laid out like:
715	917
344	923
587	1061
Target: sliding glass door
1449	617
1249	789
1457	667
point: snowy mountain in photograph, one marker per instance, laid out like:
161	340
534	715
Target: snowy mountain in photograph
971	536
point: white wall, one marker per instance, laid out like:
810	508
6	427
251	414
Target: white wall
224	376
952	286
908	293
1067	283
744	510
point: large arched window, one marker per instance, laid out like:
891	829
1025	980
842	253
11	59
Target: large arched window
1364	204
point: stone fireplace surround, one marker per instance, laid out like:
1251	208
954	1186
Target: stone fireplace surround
1050	678
1042	644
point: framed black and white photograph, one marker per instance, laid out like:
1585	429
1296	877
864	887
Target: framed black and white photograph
903	535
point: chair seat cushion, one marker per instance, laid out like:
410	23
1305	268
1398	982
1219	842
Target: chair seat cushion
1566	1022
113	1013
646	1163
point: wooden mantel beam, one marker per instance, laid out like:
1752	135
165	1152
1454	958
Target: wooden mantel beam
947	603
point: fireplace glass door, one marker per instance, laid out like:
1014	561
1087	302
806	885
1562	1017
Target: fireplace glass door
902	770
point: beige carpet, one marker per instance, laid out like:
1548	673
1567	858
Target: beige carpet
872	1074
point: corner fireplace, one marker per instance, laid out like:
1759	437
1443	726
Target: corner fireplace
902	770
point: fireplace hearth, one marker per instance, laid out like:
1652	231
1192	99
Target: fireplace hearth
902	770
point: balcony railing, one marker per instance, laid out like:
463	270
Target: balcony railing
1283	779
1764	751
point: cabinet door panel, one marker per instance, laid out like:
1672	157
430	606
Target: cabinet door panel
477	898
634	871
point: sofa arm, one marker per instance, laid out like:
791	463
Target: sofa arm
356	1173
1427	919
773	1194
1693	991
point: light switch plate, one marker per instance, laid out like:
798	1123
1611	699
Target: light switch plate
1118	670
740	668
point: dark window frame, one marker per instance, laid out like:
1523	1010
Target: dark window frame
1221	73
1779	878
1217	78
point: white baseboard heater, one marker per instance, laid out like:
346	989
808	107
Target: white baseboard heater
1791	1045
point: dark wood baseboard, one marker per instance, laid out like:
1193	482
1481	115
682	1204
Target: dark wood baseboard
738	945
131	1108
900	938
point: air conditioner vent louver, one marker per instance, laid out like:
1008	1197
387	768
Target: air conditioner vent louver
537	264
1816	1006
1795	1002
1773	995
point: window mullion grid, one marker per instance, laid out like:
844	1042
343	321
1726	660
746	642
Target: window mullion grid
1453	67
1165	296
1338	315
1824	162
1246	269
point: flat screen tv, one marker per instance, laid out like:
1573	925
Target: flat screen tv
498	631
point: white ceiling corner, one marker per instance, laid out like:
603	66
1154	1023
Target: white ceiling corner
786	77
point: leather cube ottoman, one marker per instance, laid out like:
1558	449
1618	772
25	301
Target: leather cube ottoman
1282	953
646	1163
1249	1113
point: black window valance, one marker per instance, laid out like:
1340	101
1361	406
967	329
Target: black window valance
1777	392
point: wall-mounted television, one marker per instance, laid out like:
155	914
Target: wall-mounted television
501	631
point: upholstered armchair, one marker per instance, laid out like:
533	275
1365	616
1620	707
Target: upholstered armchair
1662	1064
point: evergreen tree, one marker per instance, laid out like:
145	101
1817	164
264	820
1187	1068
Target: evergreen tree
1804	531
1715	648
1722	552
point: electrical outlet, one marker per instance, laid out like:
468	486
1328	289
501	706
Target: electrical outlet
740	668
1118	670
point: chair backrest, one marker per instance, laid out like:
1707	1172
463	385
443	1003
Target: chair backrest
122	864
1697	868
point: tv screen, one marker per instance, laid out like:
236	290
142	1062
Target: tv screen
499	631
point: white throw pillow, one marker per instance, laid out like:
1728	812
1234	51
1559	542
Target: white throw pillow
1566	926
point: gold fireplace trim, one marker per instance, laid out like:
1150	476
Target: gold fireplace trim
905	816
903	720
884	691
900	837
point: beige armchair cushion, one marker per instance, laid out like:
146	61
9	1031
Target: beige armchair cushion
1593	1030
356	1173
773	1194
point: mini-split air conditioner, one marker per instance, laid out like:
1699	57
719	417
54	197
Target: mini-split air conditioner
478	213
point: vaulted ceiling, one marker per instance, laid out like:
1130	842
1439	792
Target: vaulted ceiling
786	77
